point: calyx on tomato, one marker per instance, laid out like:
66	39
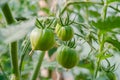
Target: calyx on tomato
65	33
42	39
67	57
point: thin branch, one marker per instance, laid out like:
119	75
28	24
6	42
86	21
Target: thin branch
116	9
83	2
24	50
13	46
77	2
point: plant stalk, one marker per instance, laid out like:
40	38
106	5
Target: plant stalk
84	2
13	46
37	67
101	42
14	59
99	59
77	2
24	51
7	13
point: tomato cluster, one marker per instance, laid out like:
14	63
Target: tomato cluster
43	39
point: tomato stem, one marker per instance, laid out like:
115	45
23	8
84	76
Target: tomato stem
84	2
77	2
37	67
23	52
99	59
104	11
101	42
13	46
7	13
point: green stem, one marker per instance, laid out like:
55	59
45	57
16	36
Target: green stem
86	11
13	46
104	11
24	51
7	13
77	2
101	42
83	2
99	59
37	67
116	9
14	60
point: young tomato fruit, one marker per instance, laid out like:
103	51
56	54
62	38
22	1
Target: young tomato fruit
65	33
42	39
67	57
111	76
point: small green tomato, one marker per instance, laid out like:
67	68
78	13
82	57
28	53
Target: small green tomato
67	57
65	33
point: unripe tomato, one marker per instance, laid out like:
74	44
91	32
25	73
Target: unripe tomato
111	76
65	33
42	39
67	57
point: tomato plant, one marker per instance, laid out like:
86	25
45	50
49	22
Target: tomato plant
79	35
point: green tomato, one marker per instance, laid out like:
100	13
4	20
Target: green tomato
65	33
67	57
111	75
42	39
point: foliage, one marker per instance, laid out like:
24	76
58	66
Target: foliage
96	38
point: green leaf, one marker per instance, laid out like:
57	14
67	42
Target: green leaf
16	31
108	24
93	13
80	18
115	43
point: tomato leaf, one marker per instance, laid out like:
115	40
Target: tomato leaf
94	13
108	24
115	43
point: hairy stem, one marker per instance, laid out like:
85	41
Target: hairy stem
77	2
99	59
7	13
14	60
84	2
13	46
37	67
24	51
101	42
104	11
